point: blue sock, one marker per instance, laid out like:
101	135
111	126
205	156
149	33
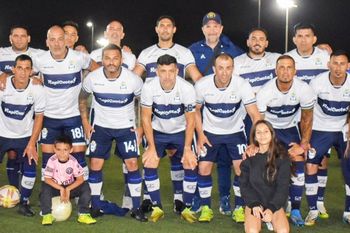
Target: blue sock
28	180
311	186
224	171
80	157
177	177
12	169
189	186
134	184
153	185
297	187
322	176
205	185
45	158
95	182
238	198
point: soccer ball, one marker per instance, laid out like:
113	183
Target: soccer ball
9	196
60	210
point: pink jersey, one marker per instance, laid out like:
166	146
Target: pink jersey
63	173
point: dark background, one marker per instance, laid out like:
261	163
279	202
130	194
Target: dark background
331	18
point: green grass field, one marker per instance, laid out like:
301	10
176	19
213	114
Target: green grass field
10	221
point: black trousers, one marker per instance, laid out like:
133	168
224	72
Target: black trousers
82	191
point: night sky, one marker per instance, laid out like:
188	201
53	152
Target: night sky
138	17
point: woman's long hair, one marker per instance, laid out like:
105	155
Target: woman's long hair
276	150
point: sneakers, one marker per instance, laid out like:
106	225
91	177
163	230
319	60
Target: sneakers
288	208
296	218
146	206
322	210
157	214
196	204
188	215
86	219
47	219
238	214
206	214
225	207
346	218
26	210
138	215
178	206
311	218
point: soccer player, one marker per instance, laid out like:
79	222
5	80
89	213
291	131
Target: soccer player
147	60
311	61
330	115
19	131
19	39
71	33
114	33
281	101
204	53
257	65
60	69
147	63
223	97
64	177
168	105
114	88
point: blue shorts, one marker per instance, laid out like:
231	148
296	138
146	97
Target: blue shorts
235	145
322	141
102	138
17	144
164	141
286	136
53	128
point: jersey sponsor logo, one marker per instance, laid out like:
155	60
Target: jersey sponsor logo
14	111
152	67
307	75
113	100
333	108
6	66
284	110
259	78
62	81
168	111
223	110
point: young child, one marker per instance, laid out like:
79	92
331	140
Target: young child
64	177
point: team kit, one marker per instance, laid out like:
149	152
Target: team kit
195	105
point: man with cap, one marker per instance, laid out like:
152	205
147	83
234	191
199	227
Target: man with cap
204	52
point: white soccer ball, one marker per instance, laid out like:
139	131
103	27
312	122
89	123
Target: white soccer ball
60	210
9	196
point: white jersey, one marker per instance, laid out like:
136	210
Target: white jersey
283	110
8	56
18	108
113	99
62	81
256	71
149	56
332	104
223	109
309	67
169	108
129	59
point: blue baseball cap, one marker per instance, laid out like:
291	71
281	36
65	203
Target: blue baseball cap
211	16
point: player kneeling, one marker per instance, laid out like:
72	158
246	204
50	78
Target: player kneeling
64	177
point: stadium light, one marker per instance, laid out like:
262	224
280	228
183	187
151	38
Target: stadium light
90	24
286	4
102	42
